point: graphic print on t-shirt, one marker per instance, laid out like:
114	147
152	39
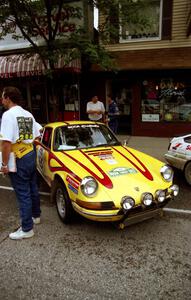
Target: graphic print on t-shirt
25	126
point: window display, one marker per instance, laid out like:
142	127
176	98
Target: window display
38	103
142	20
166	100
123	100
70	97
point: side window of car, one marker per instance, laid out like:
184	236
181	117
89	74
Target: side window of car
46	139
188	140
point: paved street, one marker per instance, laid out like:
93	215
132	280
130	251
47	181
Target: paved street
89	260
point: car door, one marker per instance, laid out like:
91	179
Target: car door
187	141
43	152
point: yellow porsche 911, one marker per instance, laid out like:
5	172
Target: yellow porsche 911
91	172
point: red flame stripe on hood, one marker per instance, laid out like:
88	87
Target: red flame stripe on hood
145	172
61	168
106	181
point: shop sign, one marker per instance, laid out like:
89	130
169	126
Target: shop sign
69	22
21	74
170	88
70	19
150	118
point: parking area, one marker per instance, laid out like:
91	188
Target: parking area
90	260
94	260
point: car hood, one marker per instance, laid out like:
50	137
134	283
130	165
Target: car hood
114	167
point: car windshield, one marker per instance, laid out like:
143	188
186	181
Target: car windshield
83	136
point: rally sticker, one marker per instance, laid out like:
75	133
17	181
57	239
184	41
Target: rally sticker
72	185
111	161
188	147
72	189
122	171
107	157
40	158
72	182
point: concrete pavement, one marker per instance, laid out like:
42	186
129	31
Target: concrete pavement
89	260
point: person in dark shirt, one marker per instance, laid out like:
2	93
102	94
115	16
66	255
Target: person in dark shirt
113	114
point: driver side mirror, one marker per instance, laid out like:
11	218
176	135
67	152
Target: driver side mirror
125	142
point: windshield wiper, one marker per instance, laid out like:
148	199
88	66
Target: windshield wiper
102	145
114	143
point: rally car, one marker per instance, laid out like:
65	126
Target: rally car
179	155
91	172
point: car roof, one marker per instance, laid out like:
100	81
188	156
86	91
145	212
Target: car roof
66	123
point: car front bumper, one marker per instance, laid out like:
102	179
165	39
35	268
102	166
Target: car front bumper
135	215
137	218
175	161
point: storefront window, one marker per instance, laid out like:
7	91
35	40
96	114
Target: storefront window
142	20
122	94
123	100
38	101
166	100
70	95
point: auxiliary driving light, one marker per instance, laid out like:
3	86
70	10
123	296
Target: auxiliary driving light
174	189
160	196
147	199
127	203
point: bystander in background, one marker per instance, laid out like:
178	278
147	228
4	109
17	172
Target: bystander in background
113	114
95	110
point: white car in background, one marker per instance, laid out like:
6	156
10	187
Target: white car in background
179	155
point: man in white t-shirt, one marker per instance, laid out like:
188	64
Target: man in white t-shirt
18	131
95	110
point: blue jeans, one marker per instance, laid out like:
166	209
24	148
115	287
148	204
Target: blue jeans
113	124
24	182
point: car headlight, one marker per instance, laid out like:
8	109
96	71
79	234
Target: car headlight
174	189
147	199
89	186
160	195
127	203
167	173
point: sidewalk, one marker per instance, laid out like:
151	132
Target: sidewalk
154	146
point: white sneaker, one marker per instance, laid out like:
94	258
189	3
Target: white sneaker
20	234
36	220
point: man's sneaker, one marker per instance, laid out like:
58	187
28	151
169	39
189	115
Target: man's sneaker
36	220
20	234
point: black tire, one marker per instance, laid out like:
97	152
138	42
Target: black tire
187	172
63	203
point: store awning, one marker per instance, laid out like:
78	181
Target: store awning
21	66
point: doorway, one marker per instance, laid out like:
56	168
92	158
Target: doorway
121	92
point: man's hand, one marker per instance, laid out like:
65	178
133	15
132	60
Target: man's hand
6	149
4	169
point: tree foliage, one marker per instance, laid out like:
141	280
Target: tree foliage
119	13
43	23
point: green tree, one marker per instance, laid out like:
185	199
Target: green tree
35	18
129	14
43	23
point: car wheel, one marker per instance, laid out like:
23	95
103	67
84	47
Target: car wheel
187	173
63	203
